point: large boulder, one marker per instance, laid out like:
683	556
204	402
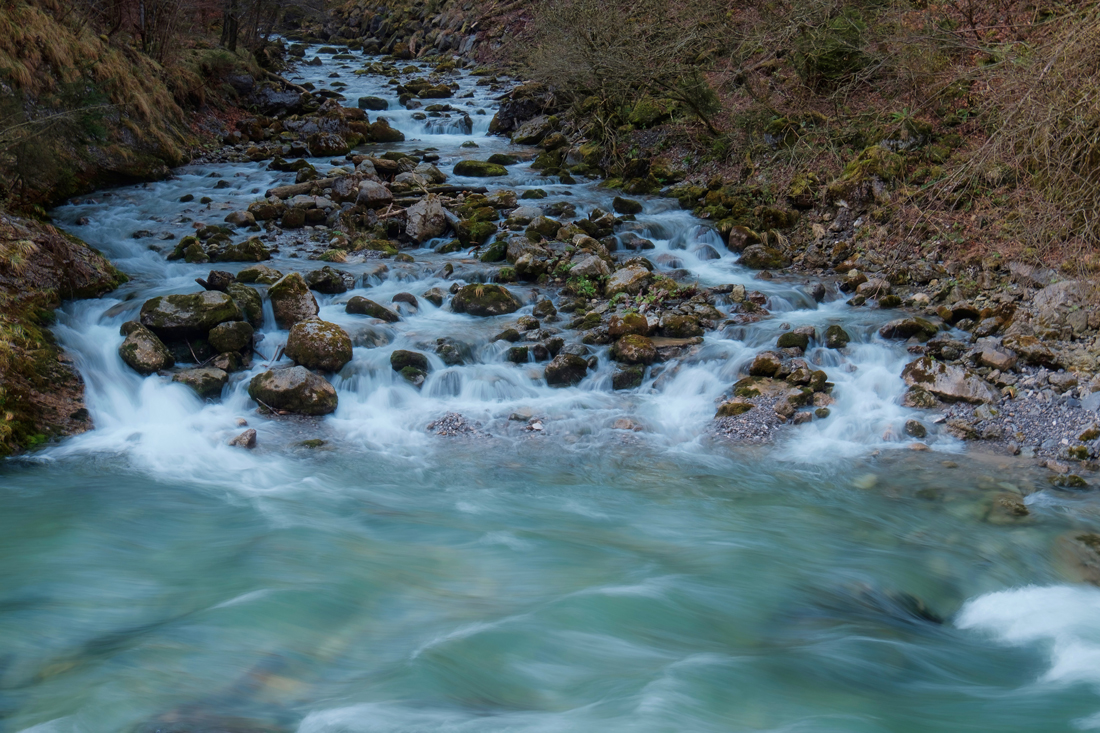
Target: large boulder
630	280
206	381
381	132
949	383
326	145
565	370
836	337
625	325
291	300
142	350
327	280
190	315
1062	305
296	390
361	306
485	300
373	195
426	219
320	345
589	266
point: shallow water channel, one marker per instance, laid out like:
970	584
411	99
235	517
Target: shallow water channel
580	577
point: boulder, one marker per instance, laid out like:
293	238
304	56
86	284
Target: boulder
326	145
364	307
629	324
565	370
317	344
143	351
836	337
232	336
626	206
296	390
241	219
190	315
433	296
766	364
327	280
479	169
205	381
997	359
1032	351
793	340
630	280
589	266
247	439
249	301
904	328
679	326
373	195
426	219
250	250
485	300
261	274
401	359
381	132
634	349
949	383
374	104
1062	305
292	301
762	257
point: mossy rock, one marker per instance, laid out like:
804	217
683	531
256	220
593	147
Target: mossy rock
836	337
626	206
450	247
402	359
733	409
479	169
763	257
319	345
359	305
628	377
495	252
296	390
291	300
475	232
533	193
251	250
207	382
634	349
188	315
231	336
381	132
261	274
503	159
648	112
485	300
143	351
793	340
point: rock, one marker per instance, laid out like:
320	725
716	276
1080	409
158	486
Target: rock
485	300
565	370
629	377
188	316
373	195
426	219
381	132
634	349
320	345
524	215
247	439
479	169
793	340
326	145
249	301
997	359
679	325
327	280
250	250
630	280
406	298
948	383
904	328
205	381
766	364
733	409
915	428
292	301
143	351
232	336
261	274
874	288
241	219
762	257
401	359
374	104
364	307
836	337
626	206
296	390
216	280
741	237
433	296
1032	351
1062	381
589	266
629	324
1062	305
545	309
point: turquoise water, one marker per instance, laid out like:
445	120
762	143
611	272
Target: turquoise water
579	578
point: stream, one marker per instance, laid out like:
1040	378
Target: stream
575	577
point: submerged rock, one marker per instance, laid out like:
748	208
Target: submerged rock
296	390
320	345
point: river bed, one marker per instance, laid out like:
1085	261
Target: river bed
619	568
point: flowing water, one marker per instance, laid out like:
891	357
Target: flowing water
578	578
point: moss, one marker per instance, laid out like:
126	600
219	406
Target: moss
733	409
479	169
